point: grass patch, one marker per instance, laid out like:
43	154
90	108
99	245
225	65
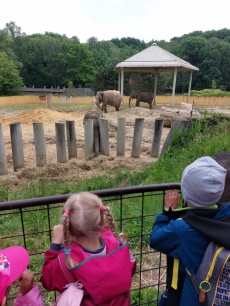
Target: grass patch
210	93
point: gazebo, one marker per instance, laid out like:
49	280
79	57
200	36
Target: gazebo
154	59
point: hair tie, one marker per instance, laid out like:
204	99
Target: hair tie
67	251
66	212
102	207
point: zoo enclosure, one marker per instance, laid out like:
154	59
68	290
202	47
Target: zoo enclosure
65	134
29	223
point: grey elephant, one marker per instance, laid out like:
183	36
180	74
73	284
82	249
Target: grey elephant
95	115
142	96
108	97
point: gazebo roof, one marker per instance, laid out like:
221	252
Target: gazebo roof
154	59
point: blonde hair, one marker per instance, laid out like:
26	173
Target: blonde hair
84	217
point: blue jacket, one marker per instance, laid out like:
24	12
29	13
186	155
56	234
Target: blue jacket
178	239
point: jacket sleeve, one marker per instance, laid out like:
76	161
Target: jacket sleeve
166	236
52	276
32	298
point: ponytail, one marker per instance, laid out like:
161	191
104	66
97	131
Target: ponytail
65	222
111	221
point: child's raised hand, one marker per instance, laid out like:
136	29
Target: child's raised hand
172	199
58	235
26	281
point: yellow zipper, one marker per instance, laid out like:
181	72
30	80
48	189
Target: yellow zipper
209	274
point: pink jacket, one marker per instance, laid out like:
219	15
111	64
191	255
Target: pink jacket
32	298
106	278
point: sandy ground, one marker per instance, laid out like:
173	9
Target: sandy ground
80	166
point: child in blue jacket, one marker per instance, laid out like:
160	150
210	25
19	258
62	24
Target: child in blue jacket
187	238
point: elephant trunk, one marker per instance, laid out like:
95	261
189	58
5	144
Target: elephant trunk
130	100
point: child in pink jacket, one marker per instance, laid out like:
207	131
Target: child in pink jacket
94	255
13	263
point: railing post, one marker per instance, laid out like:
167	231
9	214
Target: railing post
121	128
3	162
17	145
158	129
40	144
60	141
137	137
104	136
89	139
71	138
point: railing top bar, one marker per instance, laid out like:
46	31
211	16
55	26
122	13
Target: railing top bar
101	193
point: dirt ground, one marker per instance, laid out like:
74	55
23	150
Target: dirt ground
80	166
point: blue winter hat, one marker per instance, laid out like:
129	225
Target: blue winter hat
202	182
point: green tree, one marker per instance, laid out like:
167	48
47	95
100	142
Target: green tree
105	78
14	30
10	81
7	46
213	84
191	47
29	50
71	88
76	64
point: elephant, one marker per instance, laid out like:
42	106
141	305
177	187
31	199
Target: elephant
142	96
95	115
108	97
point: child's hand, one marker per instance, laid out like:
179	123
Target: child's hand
26	281
172	199
58	235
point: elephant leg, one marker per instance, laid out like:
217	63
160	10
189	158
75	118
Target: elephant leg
117	108
150	105
137	102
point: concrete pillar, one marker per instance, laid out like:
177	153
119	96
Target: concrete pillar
104	136
158	129
155	86
3	162
60	141
40	144
174	86
121	128
49	100
122	83
189	87
183	125
137	137
88	133
119	81
17	145
71	138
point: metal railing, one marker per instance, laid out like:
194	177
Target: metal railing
29	223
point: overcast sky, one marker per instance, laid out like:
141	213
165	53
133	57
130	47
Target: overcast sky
107	19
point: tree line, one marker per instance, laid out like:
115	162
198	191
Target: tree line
52	59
